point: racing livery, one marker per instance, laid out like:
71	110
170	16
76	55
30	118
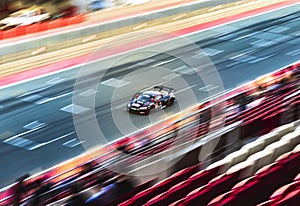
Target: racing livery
151	99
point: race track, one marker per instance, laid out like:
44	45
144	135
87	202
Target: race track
36	126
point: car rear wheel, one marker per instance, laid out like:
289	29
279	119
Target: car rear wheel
150	110
171	102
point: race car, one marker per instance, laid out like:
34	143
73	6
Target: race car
151	99
24	17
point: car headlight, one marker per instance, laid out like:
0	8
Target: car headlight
143	108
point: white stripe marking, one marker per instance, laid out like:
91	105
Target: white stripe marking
31	98
21	134
34	124
170	76
164	62
34	91
212	51
46	100
22	143
208	88
55	80
88	92
185	70
51	141
294	52
75	109
187	88
72	143
113	82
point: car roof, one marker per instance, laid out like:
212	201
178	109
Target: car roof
151	92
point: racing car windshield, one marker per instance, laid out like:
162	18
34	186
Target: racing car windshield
144	98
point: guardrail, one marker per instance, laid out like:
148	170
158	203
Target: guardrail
72	167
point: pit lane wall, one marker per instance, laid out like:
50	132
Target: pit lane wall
188	153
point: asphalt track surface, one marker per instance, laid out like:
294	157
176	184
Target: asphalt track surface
37	128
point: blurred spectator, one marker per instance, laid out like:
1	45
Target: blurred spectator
104	195
86	168
19	189
40	189
124	184
242	101
123	148
76	198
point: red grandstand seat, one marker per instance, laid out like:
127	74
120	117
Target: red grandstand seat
283	157
271	122
195	181
245	196
217	201
155	200
297	178
264	181
176	203
173	194
291	199
267	203
145	196
284	190
214	188
292	111
252	126
201	178
264	169
242	183
179	191
130	194
291	162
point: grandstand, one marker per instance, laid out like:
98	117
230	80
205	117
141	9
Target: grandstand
238	148
255	161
